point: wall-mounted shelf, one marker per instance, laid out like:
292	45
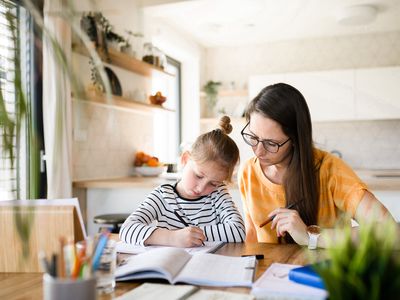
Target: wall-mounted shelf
118	102
215	120
123	61
233	93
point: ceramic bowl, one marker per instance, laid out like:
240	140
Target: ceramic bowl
150	171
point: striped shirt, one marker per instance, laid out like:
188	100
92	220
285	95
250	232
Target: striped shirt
340	191
216	214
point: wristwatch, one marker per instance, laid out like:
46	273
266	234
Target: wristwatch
314	232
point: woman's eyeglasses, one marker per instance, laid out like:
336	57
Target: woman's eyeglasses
268	145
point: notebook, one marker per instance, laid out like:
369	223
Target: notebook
209	247
150	291
274	283
177	265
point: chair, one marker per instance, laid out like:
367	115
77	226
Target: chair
115	220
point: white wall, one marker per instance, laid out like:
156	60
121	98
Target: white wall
190	54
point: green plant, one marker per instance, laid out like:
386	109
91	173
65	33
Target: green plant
366	269
211	90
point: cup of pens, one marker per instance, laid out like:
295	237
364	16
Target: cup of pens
80	270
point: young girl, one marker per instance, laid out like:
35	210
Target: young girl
197	208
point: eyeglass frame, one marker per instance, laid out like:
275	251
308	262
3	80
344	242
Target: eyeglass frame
261	141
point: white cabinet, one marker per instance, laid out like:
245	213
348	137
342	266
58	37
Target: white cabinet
353	94
377	93
391	200
329	95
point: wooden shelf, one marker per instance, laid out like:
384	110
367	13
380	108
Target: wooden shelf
233	93
215	120
122	103
229	93
123	61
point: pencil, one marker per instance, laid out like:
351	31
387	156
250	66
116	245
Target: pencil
272	217
184	222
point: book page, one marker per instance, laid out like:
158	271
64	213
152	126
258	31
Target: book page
157	263
151	291
208	247
218	270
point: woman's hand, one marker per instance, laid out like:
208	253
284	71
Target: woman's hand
185	237
288	220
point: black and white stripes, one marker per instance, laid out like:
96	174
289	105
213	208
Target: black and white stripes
216	214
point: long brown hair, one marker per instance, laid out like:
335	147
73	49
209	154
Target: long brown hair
287	106
217	146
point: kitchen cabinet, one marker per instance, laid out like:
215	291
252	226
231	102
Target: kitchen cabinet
329	94
377	93
336	95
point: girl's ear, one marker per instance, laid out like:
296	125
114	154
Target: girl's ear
185	158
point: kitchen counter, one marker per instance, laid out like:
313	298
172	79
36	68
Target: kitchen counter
375	179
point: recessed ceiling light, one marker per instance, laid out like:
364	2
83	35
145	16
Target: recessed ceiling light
356	15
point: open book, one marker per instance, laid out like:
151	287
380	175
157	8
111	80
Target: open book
209	247
177	265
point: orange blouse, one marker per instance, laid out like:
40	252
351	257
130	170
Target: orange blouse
340	191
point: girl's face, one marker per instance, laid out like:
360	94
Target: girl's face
264	128
199	179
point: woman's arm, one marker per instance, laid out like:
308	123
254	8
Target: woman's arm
368	210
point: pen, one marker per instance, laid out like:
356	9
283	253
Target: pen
272	217
181	219
258	256
184	222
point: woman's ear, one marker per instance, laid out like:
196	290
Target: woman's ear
185	158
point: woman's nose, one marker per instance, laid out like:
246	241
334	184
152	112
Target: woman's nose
259	149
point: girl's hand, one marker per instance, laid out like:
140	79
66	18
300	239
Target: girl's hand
288	220
187	237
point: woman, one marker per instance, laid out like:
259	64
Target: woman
288	171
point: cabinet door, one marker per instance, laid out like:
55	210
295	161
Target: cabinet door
377	93
329	94
257	83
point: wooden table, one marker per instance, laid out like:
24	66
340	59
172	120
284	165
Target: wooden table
29	285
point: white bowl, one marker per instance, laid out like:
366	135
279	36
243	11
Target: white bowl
150	171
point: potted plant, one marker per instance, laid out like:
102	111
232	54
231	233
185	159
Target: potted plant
363	269
211	90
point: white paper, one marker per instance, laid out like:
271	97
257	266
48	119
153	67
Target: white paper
275	284
136	249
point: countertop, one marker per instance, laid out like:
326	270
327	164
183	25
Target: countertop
387	180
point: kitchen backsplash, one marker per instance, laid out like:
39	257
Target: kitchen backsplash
363	144
105	140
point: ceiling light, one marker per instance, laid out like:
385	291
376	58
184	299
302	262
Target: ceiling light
356	15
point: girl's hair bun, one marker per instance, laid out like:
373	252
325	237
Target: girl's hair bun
225	125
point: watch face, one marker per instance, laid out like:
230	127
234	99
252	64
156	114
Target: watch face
314	229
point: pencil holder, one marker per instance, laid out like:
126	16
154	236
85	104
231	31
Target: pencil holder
67	289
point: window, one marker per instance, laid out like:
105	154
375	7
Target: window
19	175
167	126
9	180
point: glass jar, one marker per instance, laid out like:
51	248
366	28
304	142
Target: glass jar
148	53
